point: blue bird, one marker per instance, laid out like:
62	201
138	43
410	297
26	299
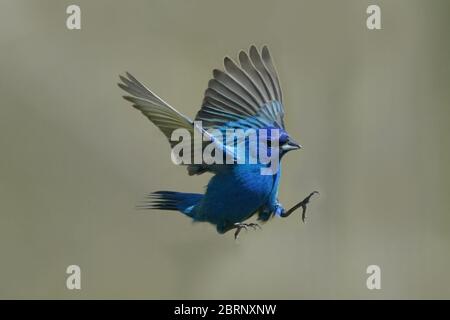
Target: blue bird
246	95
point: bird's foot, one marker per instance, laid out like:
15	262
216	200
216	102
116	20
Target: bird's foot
301	204
239	226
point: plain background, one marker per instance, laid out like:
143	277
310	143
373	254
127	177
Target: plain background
371	109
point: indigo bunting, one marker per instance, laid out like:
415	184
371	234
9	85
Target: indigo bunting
245	96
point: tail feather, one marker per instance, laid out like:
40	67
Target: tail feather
170	200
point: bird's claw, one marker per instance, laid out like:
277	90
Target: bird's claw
240	226
254	226
302	204
305	202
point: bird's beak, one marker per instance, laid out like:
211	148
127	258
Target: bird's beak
291	145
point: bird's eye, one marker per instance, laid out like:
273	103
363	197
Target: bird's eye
283	139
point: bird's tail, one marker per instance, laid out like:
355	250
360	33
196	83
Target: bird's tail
170	200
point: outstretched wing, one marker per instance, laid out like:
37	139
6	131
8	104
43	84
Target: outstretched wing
164	116
168	119
247	95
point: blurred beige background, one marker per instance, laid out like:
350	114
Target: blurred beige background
370	107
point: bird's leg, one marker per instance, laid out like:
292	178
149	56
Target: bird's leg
239	226
301	204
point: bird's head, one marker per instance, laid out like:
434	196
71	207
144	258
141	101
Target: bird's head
285	142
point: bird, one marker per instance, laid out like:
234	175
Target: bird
246	94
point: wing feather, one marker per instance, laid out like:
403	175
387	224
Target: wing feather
241	92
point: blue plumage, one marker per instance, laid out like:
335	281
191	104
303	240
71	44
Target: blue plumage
244	96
